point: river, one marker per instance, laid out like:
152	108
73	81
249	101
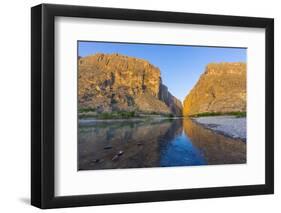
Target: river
154	143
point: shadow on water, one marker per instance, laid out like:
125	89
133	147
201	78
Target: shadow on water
154	143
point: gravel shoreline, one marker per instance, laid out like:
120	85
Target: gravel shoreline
230	126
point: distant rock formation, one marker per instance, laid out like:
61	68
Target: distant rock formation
221	88
172	102
114	82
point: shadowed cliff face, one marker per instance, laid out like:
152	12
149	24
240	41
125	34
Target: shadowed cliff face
172	102
221	88
113	82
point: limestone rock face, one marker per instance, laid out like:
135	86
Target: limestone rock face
114	82
221	88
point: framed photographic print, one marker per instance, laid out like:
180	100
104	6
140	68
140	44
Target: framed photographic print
139	106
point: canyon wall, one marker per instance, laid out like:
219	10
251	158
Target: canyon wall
221	88
114	82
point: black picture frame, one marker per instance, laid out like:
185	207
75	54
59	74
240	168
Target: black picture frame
43	102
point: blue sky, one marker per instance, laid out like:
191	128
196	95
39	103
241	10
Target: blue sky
180	66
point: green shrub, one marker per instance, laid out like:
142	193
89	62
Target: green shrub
116	115
171	115
204	114
87	109
240	114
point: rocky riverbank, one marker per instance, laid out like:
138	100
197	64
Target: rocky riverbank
230	126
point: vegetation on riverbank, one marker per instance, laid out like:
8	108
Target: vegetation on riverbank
205	114
91	113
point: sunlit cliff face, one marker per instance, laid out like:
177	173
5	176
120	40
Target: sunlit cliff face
221	88
114	82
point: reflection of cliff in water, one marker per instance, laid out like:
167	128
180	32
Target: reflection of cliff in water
217	149
137	143
154	143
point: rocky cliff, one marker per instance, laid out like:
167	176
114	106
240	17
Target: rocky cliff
114	82
221	88
172	102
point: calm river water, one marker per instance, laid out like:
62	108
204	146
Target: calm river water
154	143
